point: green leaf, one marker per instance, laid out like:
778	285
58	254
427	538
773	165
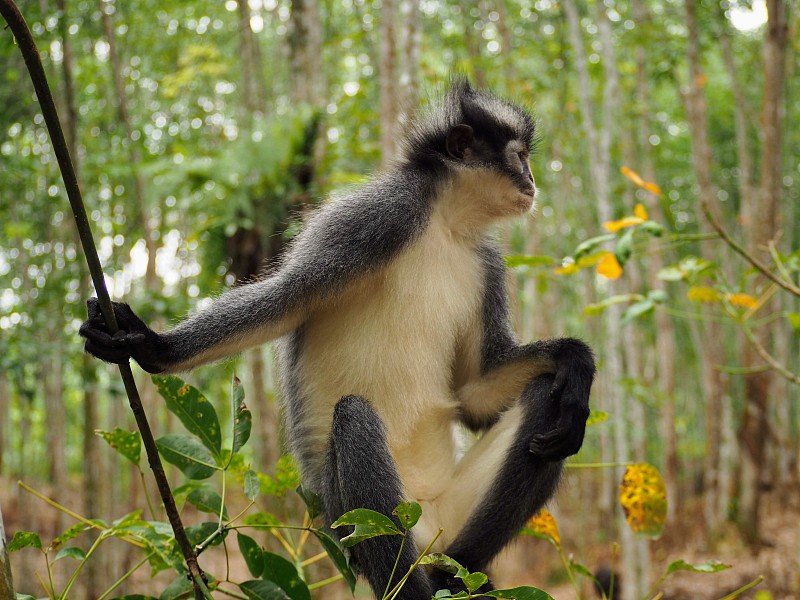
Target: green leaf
186	453
69	534
624	246
712	566
252	485
441	561
158	537
24	596
408	513
794	321
241	416
253	554
472	581
198	534
368	524
529	261
653	228
520	593
581	570
208	501
193	409
263	590
637	309
337	554
312	501
592	243
127	443
135	597
658	296
595	417
178	589
279	570
70	552
671	273
24	539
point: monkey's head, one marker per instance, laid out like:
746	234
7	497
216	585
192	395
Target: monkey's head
482	140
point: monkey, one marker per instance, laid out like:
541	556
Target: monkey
391	318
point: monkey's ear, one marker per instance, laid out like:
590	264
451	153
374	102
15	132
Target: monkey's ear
459	141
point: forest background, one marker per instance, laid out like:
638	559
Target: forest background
666	236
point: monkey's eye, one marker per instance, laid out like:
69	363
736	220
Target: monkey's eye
523	159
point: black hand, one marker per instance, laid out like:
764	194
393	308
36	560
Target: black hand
133	340
566	423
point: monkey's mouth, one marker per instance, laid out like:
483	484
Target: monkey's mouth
526	200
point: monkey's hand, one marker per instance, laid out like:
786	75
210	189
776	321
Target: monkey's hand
564	419
133	340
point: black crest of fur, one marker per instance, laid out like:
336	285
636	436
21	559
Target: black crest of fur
497	120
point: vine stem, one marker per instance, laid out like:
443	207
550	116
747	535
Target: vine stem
33	62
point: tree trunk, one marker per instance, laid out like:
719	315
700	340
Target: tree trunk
123	117
764	228
599	149
6	584
305	48
388	81
711	347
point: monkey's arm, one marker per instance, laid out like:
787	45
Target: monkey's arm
506	368
344	241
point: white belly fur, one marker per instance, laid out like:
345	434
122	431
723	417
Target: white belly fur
393	341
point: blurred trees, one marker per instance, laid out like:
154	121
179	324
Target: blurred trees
204	129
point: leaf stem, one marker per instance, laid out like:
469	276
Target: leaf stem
122	579
324	582
743	589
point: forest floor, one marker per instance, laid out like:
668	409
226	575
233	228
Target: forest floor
532	561
777	558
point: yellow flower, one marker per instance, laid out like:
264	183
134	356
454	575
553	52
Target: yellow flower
609	267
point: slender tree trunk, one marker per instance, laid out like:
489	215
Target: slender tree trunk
666	349
5	410
764	228
600	140
6	584
388	83
305	48
711	347
90	449
411	50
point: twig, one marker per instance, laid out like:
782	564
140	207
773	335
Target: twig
787	285
763	353
33	62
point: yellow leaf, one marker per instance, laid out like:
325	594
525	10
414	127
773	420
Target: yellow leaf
640	211
622	223
543	524
643	497
743	300
652	188
702	293
632	175
637	179
609	267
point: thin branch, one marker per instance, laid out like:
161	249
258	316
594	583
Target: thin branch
30	53
763	353
787	285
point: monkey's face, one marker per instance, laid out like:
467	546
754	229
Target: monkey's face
496	168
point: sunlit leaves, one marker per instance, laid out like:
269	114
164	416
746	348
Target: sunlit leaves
127	443
712	566
408	513
643	497
193	409
367	524
596	417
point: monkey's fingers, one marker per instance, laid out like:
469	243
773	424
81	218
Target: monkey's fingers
556	444
116	355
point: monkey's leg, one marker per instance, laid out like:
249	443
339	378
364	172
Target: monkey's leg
500	484
360	473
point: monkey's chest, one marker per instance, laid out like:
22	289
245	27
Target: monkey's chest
393	340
